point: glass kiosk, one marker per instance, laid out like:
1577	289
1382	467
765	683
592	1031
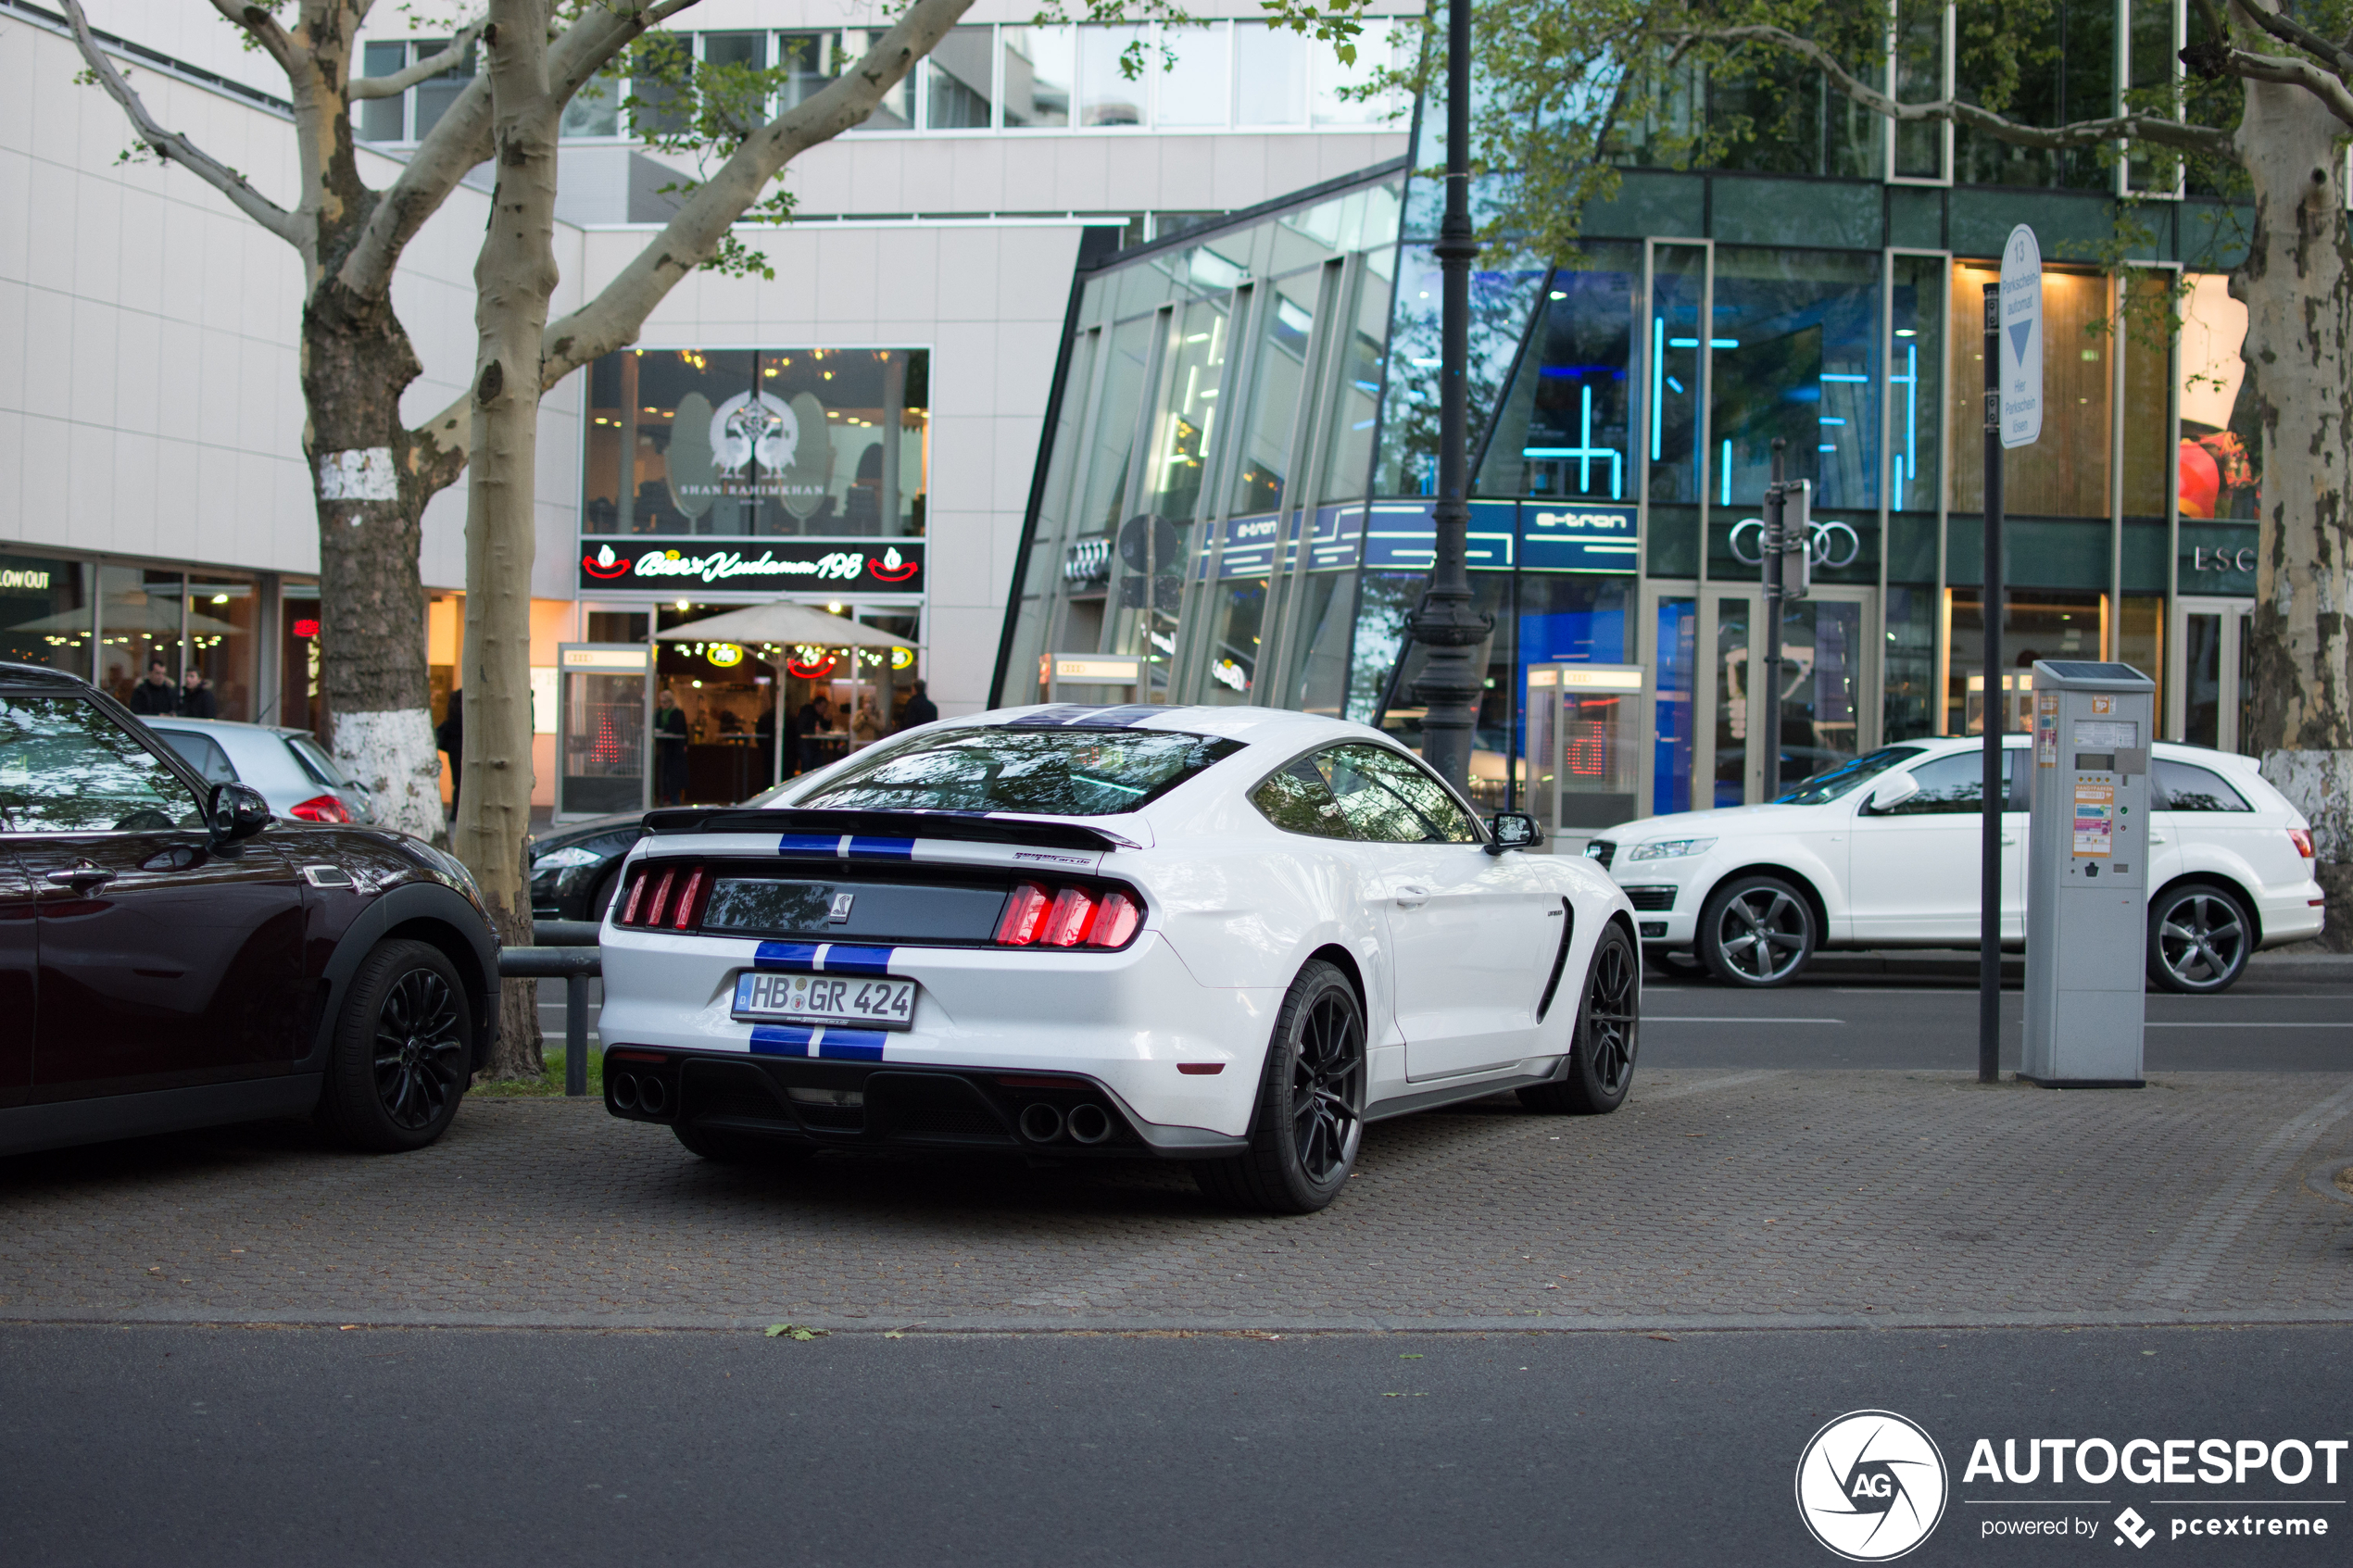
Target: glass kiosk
1587	739
604	696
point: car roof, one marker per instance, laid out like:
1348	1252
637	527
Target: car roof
1256	726
220	726
40	675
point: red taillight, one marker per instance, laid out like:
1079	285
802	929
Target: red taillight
1026	910
2303	837
328	809
1067	917
1067	921
1115	921
662	895
689	901
638	886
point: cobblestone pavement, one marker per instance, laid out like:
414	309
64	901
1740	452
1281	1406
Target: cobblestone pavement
1714	1197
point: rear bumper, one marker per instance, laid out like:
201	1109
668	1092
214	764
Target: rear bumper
859	1105
1179	1059
2296	915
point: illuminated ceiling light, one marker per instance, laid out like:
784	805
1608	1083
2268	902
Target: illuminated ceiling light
834	608
221	598
684	605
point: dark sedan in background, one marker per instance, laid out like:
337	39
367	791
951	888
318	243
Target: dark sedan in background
575	869
172	958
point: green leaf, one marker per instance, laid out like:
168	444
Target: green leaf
794	1330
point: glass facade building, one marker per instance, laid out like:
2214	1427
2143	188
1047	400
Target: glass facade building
1237	462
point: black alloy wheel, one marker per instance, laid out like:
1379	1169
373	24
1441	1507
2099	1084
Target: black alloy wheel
1310	1116
402	1050
2200	939
1756	931
1601	1063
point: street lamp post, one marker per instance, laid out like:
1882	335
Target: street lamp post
1445	624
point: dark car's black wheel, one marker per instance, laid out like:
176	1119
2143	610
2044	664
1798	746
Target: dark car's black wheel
727	1146
402	1053
1600	1064
2199	939
1756	931
600	898
1311	1104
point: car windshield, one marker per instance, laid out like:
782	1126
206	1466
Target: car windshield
316	762
1838	781
1059	773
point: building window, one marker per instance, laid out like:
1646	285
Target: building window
797	440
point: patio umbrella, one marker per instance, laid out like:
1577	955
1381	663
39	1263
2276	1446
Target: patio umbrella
785	623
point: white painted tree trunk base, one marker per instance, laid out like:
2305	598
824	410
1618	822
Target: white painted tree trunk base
393	756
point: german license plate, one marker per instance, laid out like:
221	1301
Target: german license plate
877	1003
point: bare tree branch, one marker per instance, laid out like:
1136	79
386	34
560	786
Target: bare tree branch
613	318
2081	134
693	234
2332	91
400	81
461	138
173	146
2287	30
264	30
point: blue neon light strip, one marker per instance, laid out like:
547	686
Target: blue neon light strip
1727	475
1658	378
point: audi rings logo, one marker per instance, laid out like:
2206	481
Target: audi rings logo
1871	1486
1831	544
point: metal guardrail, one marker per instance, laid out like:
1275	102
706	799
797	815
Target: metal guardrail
566	950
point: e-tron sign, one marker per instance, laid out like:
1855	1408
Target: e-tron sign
663	565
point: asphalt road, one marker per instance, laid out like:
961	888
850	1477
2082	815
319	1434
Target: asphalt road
2280	1019
303	1446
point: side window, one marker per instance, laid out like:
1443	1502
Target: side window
202	753
2183	786
65	767
1956	785
1298	800
1948	785
1390	798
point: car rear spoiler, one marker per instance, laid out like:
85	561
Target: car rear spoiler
965	827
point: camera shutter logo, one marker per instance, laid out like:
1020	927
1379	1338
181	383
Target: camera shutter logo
1871	1486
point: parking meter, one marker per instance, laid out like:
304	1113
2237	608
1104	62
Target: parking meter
2087	874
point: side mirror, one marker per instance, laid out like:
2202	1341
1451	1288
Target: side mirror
237	812
1513	830
1892	791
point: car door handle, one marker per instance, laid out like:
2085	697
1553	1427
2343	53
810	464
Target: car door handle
79	878
1412	897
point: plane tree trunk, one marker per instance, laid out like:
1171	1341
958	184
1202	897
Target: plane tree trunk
2297	285
514	277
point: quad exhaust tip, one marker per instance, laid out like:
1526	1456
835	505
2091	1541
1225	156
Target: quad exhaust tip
625	1090
1089	1123
1040	1123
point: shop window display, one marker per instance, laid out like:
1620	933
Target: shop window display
827	441
44	613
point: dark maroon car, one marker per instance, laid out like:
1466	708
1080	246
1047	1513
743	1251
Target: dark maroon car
171	958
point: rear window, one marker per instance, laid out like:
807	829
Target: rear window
317	763
2183	786
202	753
1049	772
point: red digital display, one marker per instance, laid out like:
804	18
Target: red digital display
306	628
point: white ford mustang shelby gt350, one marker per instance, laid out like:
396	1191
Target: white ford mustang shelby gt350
1230	936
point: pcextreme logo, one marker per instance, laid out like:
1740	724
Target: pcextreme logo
1871	1486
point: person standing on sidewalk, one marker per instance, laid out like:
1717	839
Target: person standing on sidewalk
196	700
451	738
156	696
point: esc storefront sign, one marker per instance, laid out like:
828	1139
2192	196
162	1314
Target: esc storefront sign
894	566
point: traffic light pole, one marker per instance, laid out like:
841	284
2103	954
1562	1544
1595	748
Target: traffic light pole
1989	883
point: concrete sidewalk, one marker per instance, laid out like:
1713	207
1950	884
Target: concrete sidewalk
1723	1199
